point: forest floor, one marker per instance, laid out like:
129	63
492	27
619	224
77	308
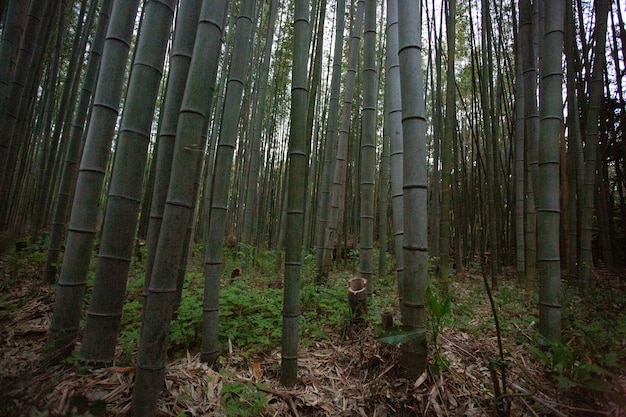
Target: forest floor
343	372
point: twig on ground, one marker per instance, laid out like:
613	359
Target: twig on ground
285	397
528	407
540	400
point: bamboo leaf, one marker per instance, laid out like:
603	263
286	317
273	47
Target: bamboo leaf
400	334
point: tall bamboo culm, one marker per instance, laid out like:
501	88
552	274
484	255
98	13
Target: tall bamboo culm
393	103
126	187
368	146
591	143
72	159
548	204
85	207
337	193
296	186
330	143
415	192
163	292
222	178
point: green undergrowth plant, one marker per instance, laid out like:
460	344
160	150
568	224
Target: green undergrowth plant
242	399
517	311
264	263
571	370
251	313
593	340
24	259
439	307
250	316
385	294
597	320
466	295
349	261
323	309
309	268
186	325
131	319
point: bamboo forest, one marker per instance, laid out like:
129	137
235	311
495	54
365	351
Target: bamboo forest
312	208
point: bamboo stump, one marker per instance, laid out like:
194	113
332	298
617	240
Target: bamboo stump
386	320
357	300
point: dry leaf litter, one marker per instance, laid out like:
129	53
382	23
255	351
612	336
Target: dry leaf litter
339	376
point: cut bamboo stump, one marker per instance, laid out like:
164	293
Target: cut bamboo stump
357	299
386	321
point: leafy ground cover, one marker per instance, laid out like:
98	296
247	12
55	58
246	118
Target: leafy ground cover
343	370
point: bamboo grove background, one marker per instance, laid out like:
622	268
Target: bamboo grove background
240	123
